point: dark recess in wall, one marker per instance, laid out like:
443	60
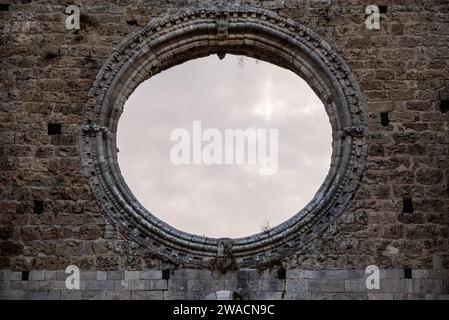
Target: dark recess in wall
25	275
166	274
38	207
384	120
407	273
54	128
383	9
407	205
444	106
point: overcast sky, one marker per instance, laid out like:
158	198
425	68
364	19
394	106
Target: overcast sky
224	200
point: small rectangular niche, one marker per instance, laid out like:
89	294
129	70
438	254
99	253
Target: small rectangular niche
282	274
54	129
383	9
444	106
4	6
131	22
407	273
38	207
384	119
166	274
407	205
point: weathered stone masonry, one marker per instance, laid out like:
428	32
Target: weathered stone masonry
395	215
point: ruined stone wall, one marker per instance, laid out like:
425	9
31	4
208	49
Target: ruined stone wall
398	219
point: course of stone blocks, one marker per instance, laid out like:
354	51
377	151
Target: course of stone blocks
55	207
243	284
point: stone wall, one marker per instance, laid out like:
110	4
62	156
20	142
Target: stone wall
49	217
395	284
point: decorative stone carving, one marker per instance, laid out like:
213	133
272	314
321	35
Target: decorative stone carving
260	34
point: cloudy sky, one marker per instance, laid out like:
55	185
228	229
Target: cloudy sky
224	200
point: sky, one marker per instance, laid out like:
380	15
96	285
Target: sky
236	92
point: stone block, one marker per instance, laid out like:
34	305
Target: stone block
322	296
70	294
355	285
54	295
93	295
400	296
438	273
255	274
416	296
117	295
121	284
39	285
155	295
224	295
60	285
432	286
317	286
49	275
12	275
88	275
437	261
189	274
266	285
390	285
218	275
37	275
116	275
5	285
383	274
265	274
297	286
138	295
282	295
12	295
303	274
198	285
420	274
36	294
156	285
174	295
137	284
132	275
263	295
102	275
380	296
19	285
177	284
410	285
147	295
100	285
151	275
341	274
395	273
61	275
345	296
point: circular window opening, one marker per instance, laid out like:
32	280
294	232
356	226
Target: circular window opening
198	33
224	199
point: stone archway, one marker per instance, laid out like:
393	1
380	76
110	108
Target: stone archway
256	33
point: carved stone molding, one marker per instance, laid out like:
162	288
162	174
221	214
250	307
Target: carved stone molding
254	32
